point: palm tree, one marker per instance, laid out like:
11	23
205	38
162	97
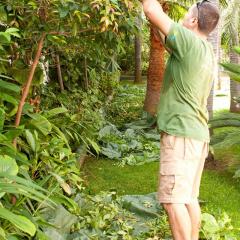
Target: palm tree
155	74
214	38
230	31
234	86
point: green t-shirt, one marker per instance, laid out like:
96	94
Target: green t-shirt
182	110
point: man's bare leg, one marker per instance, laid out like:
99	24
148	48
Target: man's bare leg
179	220
194	212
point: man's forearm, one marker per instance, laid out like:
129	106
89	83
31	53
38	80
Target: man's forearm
149	5
154	12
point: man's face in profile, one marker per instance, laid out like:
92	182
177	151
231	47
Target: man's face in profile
190	19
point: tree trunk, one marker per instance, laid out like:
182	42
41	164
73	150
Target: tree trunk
214	38
155	74
59	73
155	71
234	86
138	52
27	86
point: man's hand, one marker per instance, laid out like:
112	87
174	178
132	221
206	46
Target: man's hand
154	12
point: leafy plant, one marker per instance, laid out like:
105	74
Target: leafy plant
127	105
219	228
130	146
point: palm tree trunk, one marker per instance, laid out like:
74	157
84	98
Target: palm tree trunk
138	52
234	86
214	38
155	74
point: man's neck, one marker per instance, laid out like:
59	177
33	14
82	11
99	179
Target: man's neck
200	35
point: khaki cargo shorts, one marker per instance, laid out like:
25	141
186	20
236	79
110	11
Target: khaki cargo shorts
181	165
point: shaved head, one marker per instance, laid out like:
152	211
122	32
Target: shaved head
204	16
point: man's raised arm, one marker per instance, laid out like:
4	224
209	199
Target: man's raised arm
154	12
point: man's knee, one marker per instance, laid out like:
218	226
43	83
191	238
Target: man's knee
167	206
171	207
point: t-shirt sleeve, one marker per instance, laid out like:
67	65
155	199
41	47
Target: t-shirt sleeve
179	40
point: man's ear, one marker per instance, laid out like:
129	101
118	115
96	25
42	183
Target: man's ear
194	21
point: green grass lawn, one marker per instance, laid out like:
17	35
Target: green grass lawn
220	191
104	175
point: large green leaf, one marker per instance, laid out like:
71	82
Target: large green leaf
19	221
232	67
8	165
237	50
41	123
8	98
31	140
9	86
13	32
22	181
234	76
13	133
94	145
62	219
145	206
2	70
55	111
66	201
26	188
60	134
111	153
5	38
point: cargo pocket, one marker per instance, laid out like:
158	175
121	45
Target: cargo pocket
167	184
168	174
168	141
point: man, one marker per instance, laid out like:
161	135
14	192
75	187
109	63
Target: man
182	116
